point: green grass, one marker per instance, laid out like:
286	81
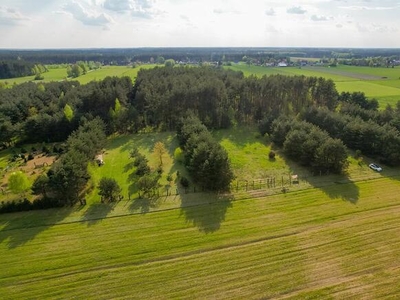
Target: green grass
118	164
328	236
370	88
302	244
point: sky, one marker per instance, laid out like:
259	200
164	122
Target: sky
42	24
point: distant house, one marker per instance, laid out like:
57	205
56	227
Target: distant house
282	64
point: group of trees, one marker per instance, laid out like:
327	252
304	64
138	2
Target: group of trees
222	97
19	68
206	160
81	67
309	145
371	132
68	176
49	112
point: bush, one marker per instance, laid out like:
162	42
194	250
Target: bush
23	150
30	156
184	182
271	155
178	155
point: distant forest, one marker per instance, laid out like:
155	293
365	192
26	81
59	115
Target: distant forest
129	55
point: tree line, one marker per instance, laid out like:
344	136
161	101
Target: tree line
20	68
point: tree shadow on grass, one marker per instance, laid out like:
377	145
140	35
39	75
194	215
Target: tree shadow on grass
129	166
335	186
143	205
97	212
22	227
206	211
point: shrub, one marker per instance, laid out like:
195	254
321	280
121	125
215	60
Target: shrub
30	156
184	182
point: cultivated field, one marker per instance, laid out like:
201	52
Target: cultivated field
326	237
380	83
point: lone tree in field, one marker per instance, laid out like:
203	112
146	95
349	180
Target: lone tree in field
159	150
109	189
18	182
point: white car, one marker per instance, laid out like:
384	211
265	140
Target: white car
375	167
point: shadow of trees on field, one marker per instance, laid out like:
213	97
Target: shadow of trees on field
96	212
205	211
22	227
335	186
143	205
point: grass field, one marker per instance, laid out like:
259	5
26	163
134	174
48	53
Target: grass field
302	245
325	238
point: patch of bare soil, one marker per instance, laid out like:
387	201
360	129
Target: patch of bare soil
33	167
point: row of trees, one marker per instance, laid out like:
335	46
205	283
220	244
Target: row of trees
206	160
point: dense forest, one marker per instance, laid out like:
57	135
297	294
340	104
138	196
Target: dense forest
306	117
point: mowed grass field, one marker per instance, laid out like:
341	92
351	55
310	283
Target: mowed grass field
301	245
380	83
330	237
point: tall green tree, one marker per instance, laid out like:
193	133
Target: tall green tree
109	189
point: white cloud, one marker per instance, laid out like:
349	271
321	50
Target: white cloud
118	5
270	12
319	18
153	23
297	10
11	17
86	16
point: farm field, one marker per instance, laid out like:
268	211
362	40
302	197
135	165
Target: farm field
301	245
380	83
326	237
